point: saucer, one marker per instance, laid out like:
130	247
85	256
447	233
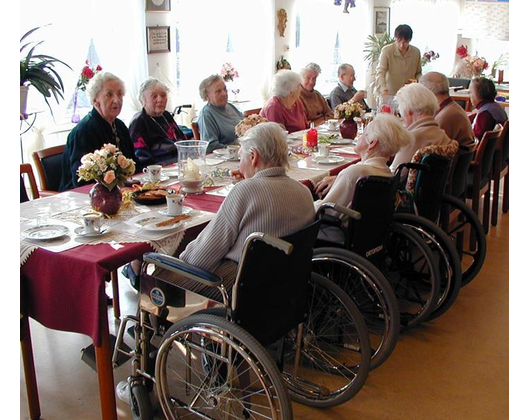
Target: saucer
80	231
328	160
185	210
162	179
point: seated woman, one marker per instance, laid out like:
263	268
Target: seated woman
417	106
285	107
153	130
266	200
382	139
218	118
482	94
100	126
316	108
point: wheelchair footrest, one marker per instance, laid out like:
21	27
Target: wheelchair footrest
88	354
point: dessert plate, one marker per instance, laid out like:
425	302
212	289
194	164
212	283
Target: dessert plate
45	232
330	160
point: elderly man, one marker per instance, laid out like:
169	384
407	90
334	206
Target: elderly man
345	90
451	117
417	106
316	107
482	94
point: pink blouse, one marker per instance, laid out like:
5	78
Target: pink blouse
292	119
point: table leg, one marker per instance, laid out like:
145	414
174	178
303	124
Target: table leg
105	374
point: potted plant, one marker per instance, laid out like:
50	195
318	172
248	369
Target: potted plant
38	70
373	48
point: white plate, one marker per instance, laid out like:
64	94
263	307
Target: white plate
223	153
341	141
45	232
80	231
185	210
170	172
149	221
328	160
162	179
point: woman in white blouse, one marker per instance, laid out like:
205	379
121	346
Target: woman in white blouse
382	139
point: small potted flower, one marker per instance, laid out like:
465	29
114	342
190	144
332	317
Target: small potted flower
228	72
347	111
87	73
110	169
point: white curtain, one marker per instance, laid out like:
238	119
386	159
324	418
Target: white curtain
435	27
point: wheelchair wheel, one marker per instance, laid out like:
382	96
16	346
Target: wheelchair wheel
446	259
329	363
411	270
208	367
141	408
464	228
371	293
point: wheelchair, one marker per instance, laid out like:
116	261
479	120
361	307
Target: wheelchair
282	331
409	267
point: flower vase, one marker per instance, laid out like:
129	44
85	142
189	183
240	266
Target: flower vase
348	129
75	115
105	201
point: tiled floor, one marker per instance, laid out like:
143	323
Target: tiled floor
455	367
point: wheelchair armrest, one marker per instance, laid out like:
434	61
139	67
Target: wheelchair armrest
175	265
341	209
330	220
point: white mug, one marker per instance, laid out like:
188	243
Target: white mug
92	222
174	204
232	151
323	150
153	172
332	124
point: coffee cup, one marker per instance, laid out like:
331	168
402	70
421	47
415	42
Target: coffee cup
92	222
332	124
174	204
153	172
233	151
323	150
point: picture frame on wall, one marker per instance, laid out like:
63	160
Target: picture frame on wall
158	40
381	20
157	5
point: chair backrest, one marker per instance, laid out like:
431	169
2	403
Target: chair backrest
485	152
458	181
195	129
504	144
455	82
374	198
26	169
49	167
270	293
428	186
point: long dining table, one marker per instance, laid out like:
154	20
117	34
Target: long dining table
63	279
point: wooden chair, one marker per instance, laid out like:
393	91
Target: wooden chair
28	360
49	167
479	176
26	169
251	111
195	129
501	170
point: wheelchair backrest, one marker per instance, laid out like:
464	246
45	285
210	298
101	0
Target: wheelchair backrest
374	198
271	288
430	185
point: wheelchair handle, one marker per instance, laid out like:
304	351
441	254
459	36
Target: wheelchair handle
270	240
341	209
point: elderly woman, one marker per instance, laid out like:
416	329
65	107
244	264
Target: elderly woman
218	118
417	106
267	200
285	107
383	138
153	130
482	94
316	107
105	92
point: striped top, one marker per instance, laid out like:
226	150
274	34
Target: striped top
269	202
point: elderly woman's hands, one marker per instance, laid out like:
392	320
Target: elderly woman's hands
323	186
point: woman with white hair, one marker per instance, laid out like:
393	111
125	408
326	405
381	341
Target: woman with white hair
417	106
153	130
316	108
383	138
285	107
105	92
218	118
266	200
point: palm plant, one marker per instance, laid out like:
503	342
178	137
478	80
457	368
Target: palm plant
38	70
373	48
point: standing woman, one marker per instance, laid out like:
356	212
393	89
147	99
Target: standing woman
153	130
101	125
399	63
